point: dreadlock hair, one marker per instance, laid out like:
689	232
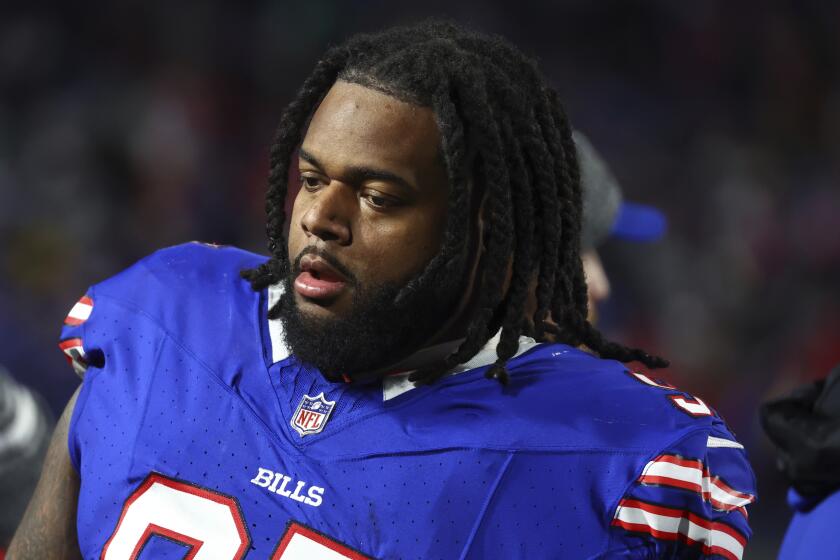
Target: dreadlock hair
503	128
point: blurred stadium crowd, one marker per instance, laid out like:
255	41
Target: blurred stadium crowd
129	126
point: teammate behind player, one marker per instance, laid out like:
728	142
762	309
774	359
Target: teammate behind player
337	405
607	215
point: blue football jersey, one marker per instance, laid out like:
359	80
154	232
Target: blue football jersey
197	435
812	528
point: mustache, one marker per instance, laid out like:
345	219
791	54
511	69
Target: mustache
330	259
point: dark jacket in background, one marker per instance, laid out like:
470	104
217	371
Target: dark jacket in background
805	427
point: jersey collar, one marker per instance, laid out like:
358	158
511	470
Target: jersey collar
397	384
279	350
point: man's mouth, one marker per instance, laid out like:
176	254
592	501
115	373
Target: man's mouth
318	279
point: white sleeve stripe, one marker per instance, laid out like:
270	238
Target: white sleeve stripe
80	311
721	442
75	353
691	478
679	527
671	471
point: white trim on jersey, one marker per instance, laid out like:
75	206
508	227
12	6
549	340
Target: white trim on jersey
75	353
671	524
396	385
80	312
687	474
713	441
279	350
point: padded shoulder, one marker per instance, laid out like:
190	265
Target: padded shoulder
178	274
562	397
189	300
191	293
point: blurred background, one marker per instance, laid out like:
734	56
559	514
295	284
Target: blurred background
129	126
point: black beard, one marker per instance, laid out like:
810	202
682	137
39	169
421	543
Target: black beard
376	333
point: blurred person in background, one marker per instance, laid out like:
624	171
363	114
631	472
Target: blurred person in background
25	428
805	428
607	215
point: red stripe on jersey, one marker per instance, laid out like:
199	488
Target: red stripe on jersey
670	536
717	481
672	483
700	472
80	312
665	511
681	461
70	343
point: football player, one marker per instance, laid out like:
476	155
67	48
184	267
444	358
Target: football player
380	386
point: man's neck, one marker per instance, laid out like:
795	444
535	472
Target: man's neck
425	357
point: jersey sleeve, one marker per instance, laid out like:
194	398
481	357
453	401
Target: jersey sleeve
108	345
690	500
71	341
112	336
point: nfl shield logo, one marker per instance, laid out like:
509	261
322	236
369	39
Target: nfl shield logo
311	414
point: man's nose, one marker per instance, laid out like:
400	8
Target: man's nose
330	214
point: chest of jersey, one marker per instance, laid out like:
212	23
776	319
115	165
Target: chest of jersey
185	466
196	436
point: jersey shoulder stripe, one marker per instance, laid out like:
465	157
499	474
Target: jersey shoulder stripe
672	524
74	352
691	474
80	312
193	275
694	493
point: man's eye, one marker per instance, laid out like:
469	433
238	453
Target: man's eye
378	201
309	182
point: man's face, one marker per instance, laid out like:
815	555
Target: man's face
369	217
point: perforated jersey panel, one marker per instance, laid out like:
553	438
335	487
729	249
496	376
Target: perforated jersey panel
464	468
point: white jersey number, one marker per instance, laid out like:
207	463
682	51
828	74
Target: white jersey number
209	523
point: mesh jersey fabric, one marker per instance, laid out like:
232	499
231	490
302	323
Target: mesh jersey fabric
183	438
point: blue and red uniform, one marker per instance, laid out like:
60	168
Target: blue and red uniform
197	435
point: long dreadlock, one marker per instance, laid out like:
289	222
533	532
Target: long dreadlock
503	127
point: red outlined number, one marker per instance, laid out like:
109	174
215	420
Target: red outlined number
209	523
300	542
692	406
